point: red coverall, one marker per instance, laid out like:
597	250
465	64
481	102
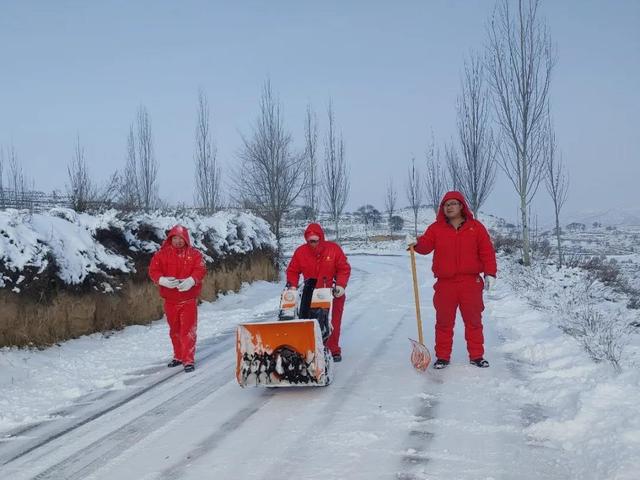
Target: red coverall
180	307
326	262
459	258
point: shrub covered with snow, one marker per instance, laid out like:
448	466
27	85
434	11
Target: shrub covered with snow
62	248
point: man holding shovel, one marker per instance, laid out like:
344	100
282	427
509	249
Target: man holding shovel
462	250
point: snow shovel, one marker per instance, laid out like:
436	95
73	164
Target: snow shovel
420	356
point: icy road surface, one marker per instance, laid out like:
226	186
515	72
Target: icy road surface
379	419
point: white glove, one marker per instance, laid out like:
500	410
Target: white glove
489	282
338	291
186	284
411	241
169	282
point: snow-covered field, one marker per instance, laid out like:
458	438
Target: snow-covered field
108	408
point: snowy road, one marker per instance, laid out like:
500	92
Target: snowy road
379	419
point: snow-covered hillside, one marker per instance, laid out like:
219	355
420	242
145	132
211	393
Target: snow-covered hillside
608	217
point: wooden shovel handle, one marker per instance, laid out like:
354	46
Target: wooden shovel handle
415	293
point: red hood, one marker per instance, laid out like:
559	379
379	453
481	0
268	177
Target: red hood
180	231
453	195
314	228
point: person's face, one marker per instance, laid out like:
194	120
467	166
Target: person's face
177	241
313	241
452	209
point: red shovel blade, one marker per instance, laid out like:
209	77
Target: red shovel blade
420	356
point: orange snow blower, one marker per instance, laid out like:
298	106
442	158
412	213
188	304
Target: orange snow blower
289	352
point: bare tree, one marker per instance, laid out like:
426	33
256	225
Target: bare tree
336	177
390	201
17	182
434	178
3	200
80	188
453	165
107	195
476	173
312	182
519	62
270	177
129	185
414	193
557	183
147	165
206	163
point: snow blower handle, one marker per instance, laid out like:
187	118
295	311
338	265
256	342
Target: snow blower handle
307	295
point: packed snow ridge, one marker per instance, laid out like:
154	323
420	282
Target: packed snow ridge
77	247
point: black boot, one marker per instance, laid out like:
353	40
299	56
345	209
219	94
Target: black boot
440	364
337	357
479	362
189	367
174	363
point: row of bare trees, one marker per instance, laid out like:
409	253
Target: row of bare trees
207	171
520	61
508	88
13	193
272	176
136	186
470	165
335	183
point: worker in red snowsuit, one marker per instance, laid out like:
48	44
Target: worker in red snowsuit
462	251
179	269
326	262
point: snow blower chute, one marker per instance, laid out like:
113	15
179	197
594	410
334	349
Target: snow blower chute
289	352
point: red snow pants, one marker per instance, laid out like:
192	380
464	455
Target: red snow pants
182	318
333	342
464	292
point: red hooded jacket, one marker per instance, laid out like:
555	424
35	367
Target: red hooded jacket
179	263
325	262
465	251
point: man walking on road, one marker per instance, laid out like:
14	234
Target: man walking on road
326	262
178	269
462	251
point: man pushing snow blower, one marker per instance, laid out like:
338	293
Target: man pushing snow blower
326	262
299	348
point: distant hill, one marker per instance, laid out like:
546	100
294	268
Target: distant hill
611	216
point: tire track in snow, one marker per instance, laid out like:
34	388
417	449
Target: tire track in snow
218	346
340	395
80	413
97	454
211	442
327	413
100	452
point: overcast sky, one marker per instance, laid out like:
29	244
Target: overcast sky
392	70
